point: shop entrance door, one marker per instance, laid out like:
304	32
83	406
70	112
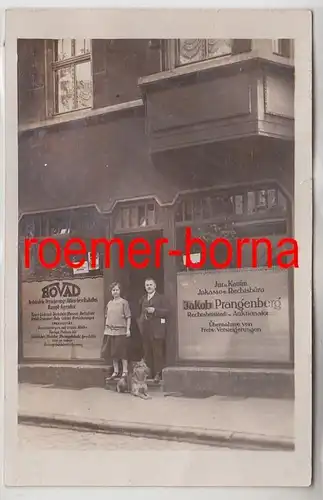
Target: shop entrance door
132	279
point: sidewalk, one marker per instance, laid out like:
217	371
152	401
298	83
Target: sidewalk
232	422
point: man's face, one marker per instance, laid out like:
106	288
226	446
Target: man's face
150	286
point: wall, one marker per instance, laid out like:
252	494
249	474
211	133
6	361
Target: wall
31	80
117	65
92	163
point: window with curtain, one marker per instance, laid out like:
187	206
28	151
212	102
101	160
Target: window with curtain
195	50
72	75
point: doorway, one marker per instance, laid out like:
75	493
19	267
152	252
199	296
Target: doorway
132	280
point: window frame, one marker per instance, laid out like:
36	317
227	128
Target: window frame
119	209
53	66
274	215
169	53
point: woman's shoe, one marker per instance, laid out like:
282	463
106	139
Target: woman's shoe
112	377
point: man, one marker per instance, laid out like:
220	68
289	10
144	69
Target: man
153	321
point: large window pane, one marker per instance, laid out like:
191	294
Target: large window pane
83	77
207	233
74	87
65	89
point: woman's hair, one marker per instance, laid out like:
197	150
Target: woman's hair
113	285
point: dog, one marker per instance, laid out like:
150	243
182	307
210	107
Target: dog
139	376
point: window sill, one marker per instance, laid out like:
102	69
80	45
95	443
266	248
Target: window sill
227	60
79	115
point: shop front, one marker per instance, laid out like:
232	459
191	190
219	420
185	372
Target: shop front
232	311
239	311
234	306
61	313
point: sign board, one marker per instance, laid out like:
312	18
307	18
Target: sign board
63	319
84	269
233	315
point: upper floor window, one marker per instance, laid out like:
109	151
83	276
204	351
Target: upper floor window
194	50
283	47
72	72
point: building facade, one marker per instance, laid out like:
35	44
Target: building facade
144	138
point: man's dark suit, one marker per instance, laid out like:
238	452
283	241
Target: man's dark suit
153	328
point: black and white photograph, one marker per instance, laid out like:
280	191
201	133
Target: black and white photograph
163	247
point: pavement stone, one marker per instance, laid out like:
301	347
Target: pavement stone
42	438
262	419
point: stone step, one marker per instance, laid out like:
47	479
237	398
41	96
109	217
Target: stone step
177	380
152	385
234	382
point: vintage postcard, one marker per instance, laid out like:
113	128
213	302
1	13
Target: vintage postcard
158	248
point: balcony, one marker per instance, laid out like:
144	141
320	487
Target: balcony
239	94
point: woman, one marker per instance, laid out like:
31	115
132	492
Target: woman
117	331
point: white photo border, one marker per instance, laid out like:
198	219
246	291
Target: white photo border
175	468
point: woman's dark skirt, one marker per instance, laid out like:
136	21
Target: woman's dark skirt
115	347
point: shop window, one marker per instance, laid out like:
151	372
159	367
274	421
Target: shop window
72	73
61	270
63	225
76	222
273	232
283	47
231	308
137	216
190	51
259	213
228	205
